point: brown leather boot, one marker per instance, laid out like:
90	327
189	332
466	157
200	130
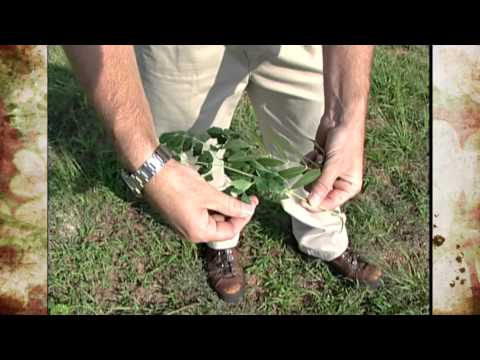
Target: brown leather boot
225	274
353	267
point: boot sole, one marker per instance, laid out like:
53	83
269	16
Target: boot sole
232	298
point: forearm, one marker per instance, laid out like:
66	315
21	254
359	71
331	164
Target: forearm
110	76
347	83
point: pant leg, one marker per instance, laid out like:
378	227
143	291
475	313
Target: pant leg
193	88
287	94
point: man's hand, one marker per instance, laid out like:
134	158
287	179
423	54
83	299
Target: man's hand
343	167
196	209
109	74
342	129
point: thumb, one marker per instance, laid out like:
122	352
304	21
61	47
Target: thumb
229	206
323	185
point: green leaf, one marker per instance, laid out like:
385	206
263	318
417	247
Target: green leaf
243	166
219	134
236	145
240	165
222	139
174	142
235	175
187	144
270	162
209	177
215	132
166	137
204	169
307	178
241	185
197	149
269	183
292	172
245	198
260	169
228	190
203	137
241	156
205	157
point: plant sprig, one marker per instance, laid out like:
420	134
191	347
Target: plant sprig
249	171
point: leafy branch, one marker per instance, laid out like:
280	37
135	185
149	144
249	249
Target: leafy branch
249	171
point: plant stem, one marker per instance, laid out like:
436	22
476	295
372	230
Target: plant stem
294	194
229	168
238	171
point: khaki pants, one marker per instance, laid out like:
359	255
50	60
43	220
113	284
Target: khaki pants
195	87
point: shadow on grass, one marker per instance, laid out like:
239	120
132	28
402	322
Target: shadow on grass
76	133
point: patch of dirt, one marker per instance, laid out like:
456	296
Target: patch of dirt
112	227
108	295
375	123
67	223
113	277
313	284
254	290
105	295
381	175
140	267
253	280
393	257
148	297
308	300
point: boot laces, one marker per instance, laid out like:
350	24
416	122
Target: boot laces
225	262
351	258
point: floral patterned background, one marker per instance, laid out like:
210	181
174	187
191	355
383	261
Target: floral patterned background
23	179
456	180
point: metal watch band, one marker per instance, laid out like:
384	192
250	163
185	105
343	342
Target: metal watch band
137	180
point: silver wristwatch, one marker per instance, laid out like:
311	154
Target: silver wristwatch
137	180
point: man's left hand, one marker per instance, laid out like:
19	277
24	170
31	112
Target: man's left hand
342	173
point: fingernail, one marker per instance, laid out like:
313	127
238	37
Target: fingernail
248	210
314	200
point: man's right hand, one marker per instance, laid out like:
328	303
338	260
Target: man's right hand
109	74
196	209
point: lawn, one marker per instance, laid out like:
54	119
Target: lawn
111	254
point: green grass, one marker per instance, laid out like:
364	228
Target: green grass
110	254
